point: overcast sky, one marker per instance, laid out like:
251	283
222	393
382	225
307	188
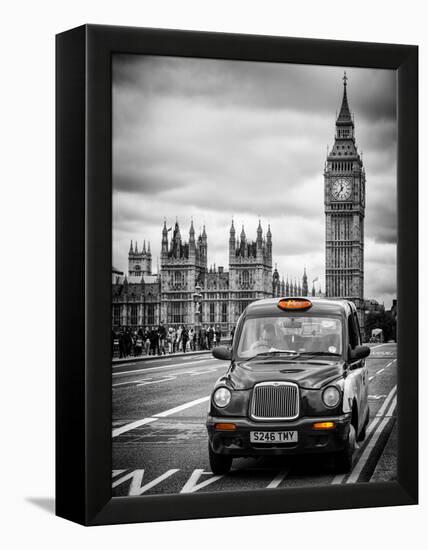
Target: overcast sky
214	139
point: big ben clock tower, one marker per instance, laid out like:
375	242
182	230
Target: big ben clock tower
344	200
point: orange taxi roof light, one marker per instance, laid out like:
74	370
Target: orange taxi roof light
294	303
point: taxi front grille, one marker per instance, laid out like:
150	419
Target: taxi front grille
275	401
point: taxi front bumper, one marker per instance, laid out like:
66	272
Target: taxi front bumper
237	442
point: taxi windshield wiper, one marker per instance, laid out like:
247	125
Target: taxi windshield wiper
275	352
314	353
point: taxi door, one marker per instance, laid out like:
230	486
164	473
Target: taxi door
357	379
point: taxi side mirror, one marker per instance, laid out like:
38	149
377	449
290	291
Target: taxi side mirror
223	353
359	352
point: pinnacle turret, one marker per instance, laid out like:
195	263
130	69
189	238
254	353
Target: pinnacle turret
305	289
345	116
191	234
232	230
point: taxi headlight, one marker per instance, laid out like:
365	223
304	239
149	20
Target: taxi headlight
331	396
222	397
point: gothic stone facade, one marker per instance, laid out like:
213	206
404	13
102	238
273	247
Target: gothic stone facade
344	201
144	299
224	294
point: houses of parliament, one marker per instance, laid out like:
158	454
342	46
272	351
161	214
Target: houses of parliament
186	291
142	298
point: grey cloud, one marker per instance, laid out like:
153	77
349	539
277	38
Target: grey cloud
212	139
271	86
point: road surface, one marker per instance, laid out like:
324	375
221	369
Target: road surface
160	439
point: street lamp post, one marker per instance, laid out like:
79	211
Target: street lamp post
197	298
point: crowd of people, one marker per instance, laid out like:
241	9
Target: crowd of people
160	340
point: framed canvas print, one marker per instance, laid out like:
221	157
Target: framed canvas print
236	275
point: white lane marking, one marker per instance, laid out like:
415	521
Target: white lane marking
378	346
160	367
170	376
203	372
383	408
381	370
156	381
340	477
132	426
132	382
371	444
277	480
136	487
376	397
115	473
192	485
163	358
384	344
143	421
182	407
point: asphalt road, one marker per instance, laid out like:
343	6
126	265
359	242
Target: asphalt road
160	439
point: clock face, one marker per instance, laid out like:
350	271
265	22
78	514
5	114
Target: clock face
341	189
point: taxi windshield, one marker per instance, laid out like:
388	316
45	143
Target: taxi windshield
291	336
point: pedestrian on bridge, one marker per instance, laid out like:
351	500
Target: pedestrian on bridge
162	338
217	335
184	337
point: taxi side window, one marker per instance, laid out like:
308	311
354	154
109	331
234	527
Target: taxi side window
354	336
357	328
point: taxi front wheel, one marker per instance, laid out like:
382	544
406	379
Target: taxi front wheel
363	433
220	464
343	460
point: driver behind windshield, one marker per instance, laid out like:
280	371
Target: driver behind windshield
268	338
292	335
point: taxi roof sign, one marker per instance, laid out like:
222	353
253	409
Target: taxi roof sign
294	304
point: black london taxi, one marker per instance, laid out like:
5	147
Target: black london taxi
297	383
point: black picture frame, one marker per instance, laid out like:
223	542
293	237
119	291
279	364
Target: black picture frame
84	259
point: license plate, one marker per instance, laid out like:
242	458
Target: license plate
274	437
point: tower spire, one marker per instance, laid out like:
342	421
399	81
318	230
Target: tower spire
305	289
259	234
232	231
345	116
191	232
344	184
164	248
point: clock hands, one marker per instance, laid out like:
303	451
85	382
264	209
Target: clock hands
341	189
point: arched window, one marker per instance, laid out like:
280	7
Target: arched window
178	278
245	280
